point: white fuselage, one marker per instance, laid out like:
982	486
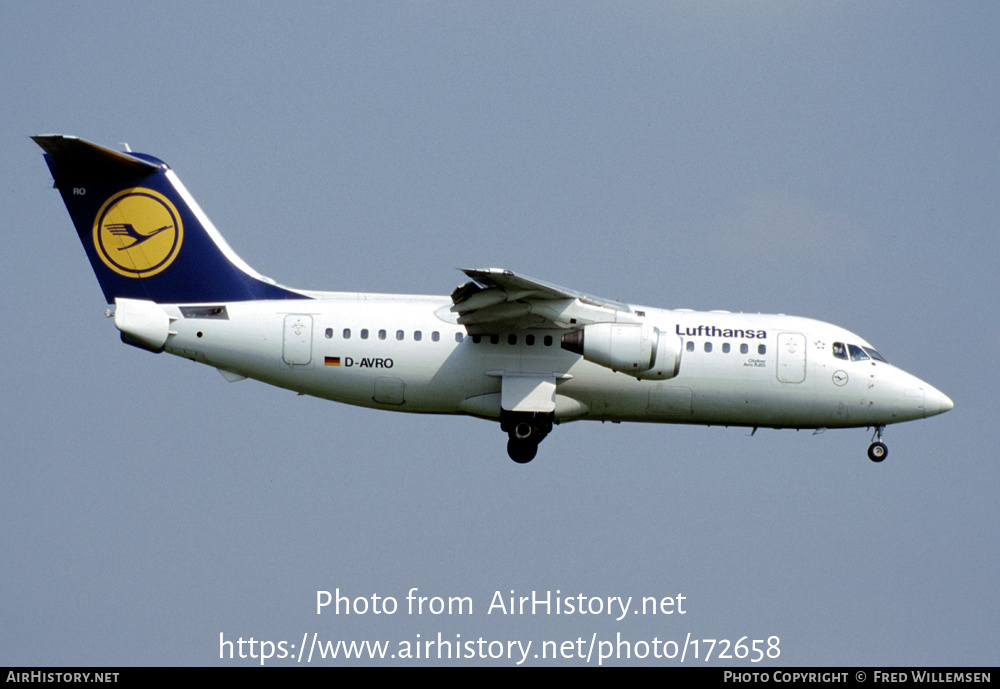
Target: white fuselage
408	353
502	346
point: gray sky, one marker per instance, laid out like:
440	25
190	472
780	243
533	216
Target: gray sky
833	160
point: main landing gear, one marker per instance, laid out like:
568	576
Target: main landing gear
524	430
877	451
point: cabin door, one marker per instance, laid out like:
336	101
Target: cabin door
297	343
791	357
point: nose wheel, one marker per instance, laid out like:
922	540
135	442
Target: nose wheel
877	451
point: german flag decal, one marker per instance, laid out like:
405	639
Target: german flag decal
331	361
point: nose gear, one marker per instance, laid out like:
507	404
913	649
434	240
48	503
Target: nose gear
878	451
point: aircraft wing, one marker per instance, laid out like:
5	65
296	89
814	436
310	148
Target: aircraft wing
497	300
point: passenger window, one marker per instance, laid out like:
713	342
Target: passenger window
725	348
347	333
476	339
399	335
690	346
364	333
857	354
529	340
512	339
708	347
762	349
744	348
459	338
839	350
329	333
381	334
435	336
417	335
494	339
547	341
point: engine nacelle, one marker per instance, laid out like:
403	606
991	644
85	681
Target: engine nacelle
668	358
635	349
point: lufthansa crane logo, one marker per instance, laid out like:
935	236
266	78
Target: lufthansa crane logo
138	233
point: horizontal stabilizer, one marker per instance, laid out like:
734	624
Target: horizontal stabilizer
73	154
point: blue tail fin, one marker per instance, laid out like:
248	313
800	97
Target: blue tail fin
144	233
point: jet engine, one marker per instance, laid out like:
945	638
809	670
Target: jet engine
638	350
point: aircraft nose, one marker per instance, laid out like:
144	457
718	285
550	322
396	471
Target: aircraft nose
936	402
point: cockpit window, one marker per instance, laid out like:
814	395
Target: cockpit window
857	354
875	355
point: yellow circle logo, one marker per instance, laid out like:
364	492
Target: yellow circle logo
138	232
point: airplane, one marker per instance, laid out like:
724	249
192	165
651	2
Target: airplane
502	347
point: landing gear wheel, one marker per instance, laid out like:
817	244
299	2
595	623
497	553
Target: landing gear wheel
877	452
522	451
524	431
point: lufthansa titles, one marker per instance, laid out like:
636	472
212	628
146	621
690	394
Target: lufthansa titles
713	331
